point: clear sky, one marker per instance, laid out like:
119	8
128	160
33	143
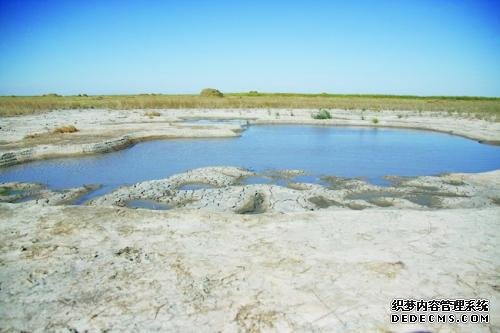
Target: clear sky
420	47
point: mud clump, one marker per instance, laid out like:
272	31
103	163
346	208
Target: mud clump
298	186
388	269
252	319
356	206
338	183
130	253
322	202
381	202
454	182
256	204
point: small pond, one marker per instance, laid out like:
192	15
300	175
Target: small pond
370	153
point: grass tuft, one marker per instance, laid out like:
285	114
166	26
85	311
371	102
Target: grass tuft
322	114
375	120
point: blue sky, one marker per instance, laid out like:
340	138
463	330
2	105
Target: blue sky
110	47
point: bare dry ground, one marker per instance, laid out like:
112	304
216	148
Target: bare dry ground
118	269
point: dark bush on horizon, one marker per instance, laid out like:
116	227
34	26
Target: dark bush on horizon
210	92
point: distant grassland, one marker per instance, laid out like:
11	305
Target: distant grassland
479	107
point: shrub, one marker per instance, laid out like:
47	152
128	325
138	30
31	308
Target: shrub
210	92
51	95
66	129
322	114
375	120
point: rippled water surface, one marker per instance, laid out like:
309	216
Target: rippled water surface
341	151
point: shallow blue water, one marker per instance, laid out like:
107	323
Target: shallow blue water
319	150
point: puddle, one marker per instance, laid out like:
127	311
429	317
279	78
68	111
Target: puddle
275	177
5	191
306	179
16	195
432	198
425	200
101	190
25	199
147	204
373	195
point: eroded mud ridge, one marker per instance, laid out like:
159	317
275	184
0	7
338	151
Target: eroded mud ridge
223	189
40	195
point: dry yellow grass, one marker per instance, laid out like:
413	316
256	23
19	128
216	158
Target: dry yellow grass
34	135
65	129
479	107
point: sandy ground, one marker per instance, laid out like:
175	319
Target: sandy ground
117	269
236	258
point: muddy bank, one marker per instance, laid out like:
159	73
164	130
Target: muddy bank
110	269
39	194
222	189
225	189
27	138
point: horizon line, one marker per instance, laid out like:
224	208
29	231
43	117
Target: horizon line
262	93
